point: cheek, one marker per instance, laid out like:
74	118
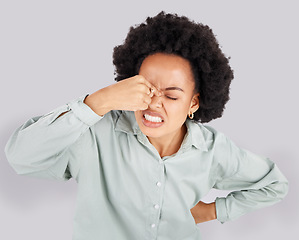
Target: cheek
177	107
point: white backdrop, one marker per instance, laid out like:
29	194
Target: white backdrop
54	51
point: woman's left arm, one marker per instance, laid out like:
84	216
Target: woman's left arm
256	181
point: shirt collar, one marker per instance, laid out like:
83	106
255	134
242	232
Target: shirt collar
194	137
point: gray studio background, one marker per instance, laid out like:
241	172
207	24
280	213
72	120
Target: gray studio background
54	51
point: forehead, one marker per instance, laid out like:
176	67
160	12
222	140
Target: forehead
167	70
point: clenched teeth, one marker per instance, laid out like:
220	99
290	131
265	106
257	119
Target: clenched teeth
152	119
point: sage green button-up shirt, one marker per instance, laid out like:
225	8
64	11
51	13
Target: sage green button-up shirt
126	191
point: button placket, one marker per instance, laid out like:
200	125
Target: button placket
156	207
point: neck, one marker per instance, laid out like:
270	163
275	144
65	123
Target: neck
170	144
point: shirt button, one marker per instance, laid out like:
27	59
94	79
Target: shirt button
153	225
159	184
156	206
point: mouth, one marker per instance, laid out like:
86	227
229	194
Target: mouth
152	121
152	118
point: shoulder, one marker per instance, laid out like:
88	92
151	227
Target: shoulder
212	137
224	152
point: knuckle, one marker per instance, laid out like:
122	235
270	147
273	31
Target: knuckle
141	87
140	78
145	88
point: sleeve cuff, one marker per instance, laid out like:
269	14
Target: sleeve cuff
221	210
84	112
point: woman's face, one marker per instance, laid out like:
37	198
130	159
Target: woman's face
171	75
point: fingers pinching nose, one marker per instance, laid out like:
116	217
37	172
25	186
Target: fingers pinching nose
153	91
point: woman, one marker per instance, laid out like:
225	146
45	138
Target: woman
138	149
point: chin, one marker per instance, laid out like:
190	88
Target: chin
151	133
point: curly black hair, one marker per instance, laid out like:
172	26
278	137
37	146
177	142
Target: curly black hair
173	34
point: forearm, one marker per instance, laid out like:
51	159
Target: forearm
267	191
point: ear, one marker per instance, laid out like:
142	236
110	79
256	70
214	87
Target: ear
194	103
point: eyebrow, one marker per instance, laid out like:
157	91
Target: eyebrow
173	88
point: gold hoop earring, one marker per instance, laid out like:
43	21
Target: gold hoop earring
191	115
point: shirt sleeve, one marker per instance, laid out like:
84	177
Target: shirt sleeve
255	181
40	146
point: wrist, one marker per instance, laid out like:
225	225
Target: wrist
99	101
213	215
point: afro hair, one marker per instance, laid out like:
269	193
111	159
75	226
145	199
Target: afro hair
173	34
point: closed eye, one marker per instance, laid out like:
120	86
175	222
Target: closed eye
171	98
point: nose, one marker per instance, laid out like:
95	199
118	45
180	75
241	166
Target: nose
156	101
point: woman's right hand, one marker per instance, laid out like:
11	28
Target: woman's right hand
130	94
